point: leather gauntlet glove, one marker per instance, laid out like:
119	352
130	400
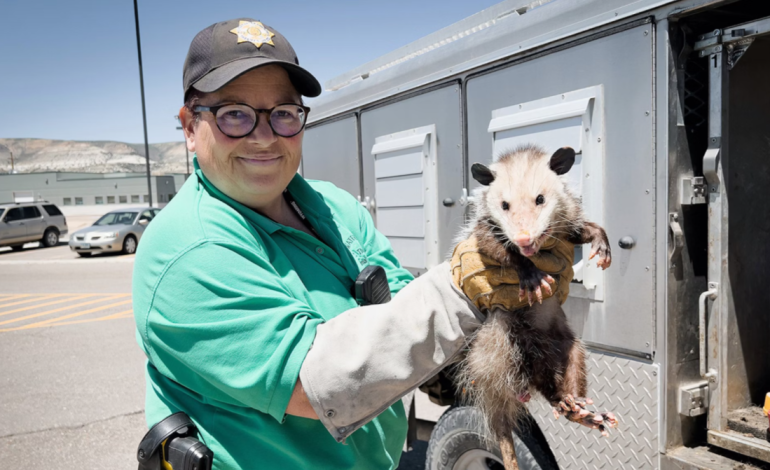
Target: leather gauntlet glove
490	286
366	358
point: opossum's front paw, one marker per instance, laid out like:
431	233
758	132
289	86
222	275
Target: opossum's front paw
601	247
574	409
532	283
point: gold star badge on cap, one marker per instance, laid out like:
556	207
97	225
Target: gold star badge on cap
253	32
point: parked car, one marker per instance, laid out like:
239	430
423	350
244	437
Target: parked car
119	230
22	223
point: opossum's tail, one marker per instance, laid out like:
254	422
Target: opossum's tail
492	376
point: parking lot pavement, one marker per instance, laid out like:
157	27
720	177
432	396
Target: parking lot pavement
36	252
71	374
27	311
33	251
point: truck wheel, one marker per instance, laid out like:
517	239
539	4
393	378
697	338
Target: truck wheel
457	443
532	450
50	238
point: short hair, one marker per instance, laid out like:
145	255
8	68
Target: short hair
191	99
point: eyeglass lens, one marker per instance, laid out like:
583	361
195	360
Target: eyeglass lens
236	120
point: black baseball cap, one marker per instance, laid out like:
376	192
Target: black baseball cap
226	50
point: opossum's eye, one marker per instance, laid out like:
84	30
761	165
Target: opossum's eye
505	206
540	199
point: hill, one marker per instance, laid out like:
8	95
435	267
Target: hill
41	155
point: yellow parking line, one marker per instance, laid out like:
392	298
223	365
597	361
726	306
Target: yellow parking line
58	301
114	316
5	297
68	307
72	315
41	297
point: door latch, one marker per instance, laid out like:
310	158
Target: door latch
677	235
693	399
464	198
692	190
368	203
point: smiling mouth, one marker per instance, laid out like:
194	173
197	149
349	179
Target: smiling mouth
259	161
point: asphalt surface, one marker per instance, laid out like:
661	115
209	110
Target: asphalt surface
71	374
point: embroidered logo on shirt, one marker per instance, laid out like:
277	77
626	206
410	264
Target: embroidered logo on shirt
355	249
253	32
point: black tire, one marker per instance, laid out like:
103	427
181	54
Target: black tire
129	245
532	449
17	247
50	238
84	254
457	440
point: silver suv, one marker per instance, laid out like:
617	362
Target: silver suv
22	223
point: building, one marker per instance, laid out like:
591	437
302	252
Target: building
88	189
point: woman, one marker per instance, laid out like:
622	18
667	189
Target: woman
242	285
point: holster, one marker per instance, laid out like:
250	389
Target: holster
172	443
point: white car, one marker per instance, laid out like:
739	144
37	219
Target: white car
119	230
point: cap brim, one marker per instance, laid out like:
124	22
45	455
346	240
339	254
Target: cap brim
305	83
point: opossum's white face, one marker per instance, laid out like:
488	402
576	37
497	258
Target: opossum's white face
526	197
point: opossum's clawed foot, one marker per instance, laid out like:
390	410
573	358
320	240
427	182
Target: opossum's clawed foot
610	420
524	397
601	247
574	409
532	283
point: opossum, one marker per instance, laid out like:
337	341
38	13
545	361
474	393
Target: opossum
524	201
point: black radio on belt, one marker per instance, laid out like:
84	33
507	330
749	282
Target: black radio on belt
172	445
372	287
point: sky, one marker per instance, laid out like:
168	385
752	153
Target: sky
69	69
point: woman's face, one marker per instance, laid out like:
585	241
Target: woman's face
255	169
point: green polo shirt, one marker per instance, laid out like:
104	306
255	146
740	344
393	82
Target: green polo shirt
226	304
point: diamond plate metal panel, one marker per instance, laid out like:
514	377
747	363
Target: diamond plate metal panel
629	389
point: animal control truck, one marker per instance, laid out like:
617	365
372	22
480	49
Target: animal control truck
666	103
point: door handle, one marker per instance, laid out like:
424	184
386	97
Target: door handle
705	372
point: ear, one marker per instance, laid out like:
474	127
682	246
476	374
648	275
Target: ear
482	174
187	120
562	160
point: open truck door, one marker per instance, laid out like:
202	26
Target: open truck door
734	318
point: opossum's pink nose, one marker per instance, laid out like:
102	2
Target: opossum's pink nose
523	238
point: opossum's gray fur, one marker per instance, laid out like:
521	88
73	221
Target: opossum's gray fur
490	377
494	373
503	362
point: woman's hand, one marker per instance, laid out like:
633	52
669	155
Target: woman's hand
489	285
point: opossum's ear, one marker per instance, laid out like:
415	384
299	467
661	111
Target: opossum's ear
562	160
482	174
